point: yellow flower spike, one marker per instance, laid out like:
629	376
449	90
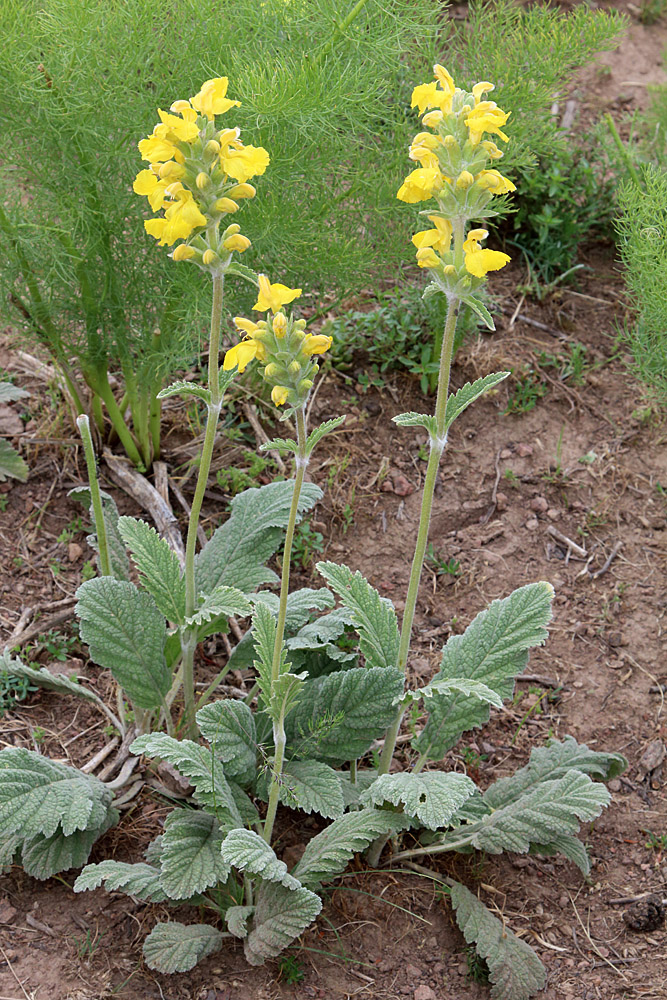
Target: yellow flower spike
240	356
185	131
236	242
209	257
481	88
280	324
486	117
226	205
211	99
493	180
420	185
242	191
432	119
492	149
246	325
156	149
273	296
242	164
465	179
426	257
183	252
316	344
279	395
202	180
478	260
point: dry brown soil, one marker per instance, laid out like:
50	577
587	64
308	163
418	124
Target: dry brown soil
589	460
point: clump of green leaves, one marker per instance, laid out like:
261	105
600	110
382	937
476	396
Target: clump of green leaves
236	479
13	689
643	248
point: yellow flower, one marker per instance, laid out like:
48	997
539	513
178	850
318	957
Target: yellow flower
156	149
184	131
226	205
236	242
243	162
439	238
427	95
183	252
274	296
279	395
426	257
420	185
486	117
211	99
444	78
423	149
481	88
181	217
316	344
432	119
240	356
465	179
146	183
492	149
478	260
242	191
246	325
494	181
171	171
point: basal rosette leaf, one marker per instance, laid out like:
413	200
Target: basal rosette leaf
229	727
12	466
280	916
432	797
311	786
190	856
237	918
42	857
222	601
140	880
175	947
246	851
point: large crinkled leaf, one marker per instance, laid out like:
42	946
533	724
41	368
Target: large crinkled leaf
237	920
158	565
120	563
553	761
237	552
221	601
432	797
353	790
39	796
250	853
45	679
445	686
570	847
373	616
126	634
312	786
9	849
264	630
42	857
203	769
514	969
493	650
280	916
338	716
328	853
190	854
551	809
229	727
300	604
175	947
460	400
12	466
245	806
140	880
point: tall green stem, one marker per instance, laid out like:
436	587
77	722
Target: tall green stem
104	390
279	725
437	446
83	424
189	638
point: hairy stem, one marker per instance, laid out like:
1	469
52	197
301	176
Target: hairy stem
189	638
276	777
83	424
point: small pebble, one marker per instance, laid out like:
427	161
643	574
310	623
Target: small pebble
524	450
531	523
538	504
424	993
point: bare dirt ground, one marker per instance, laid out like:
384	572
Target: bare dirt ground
588	463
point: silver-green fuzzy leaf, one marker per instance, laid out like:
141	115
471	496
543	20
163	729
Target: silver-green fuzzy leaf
328	853
280	916
460	400
126	634
413	419
373	616
248	852
42	857
175	947
493	650
181	388
431	797
312	786
190	854
120	563
570	847
39	796
12	466
339	716
140	880
45	679
9	392
515	970
229	727
237	552
325	428
551	809
203	769
237	920
461	685
222	601
158	566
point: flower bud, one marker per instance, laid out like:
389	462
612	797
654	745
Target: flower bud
300	324
450	142
305	385
212	148
226	205
209	257
280	324
183	252
279	395
433	118
465	179
236	242
449	270
242	191
294	368
426	257
271	370
231	230
316	344
171	171
203	180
